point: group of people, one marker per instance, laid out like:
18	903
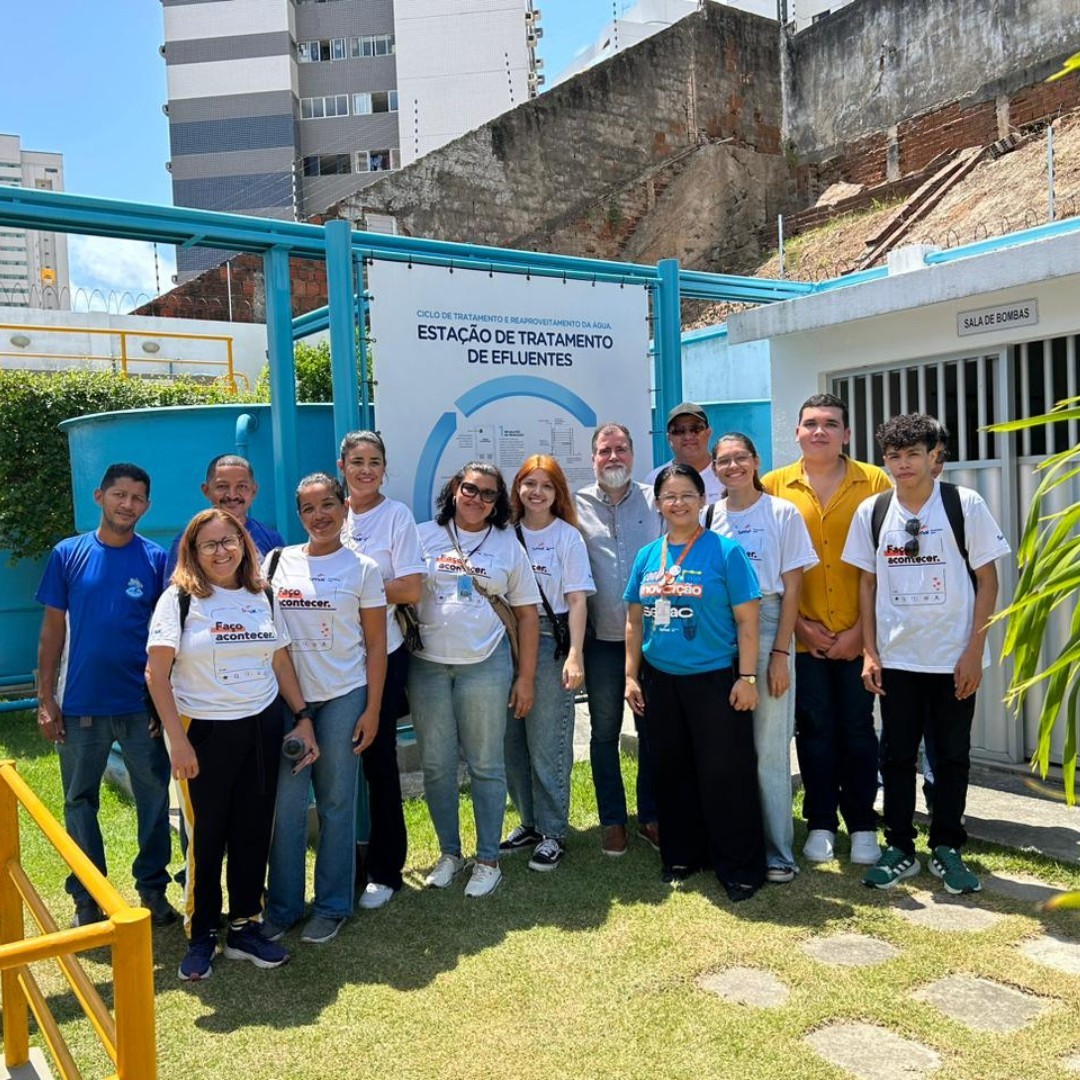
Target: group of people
730	611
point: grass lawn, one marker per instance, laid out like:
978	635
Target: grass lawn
587	972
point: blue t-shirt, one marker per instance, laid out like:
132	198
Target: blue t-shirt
108	594
701	635
264	538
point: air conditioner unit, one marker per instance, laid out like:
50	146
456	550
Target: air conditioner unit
540	80
538	31
538	63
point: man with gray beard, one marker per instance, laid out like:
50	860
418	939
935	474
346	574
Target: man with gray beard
617	517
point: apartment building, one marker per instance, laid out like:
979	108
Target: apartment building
281	108
33	264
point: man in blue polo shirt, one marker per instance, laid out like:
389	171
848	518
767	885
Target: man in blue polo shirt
230	485
99	591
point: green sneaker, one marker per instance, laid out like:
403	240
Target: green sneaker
893	866
947	864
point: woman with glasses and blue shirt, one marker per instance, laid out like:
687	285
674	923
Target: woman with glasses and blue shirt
691	672
775	538
462	678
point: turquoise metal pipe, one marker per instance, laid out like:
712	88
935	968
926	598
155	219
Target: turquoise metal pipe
367	412
667	342
283	417
17	680
18	706
340	290
246	423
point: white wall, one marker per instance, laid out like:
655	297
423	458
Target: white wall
73	348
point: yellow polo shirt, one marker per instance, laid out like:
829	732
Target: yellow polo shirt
830	590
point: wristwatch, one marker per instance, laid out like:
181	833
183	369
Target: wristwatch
305	714
751	679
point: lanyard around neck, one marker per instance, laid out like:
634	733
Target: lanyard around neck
676	569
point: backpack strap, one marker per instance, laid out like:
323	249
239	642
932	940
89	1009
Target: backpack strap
877	516
183	599
275	558
954	511
709	514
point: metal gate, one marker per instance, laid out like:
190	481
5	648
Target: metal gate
967	392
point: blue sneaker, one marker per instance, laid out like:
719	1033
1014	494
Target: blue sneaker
198	963
246	942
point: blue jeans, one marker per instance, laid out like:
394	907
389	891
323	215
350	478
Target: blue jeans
540	748
460	710
333	775
774	725
605	683
84	753
836	743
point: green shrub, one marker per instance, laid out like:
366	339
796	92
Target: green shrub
314	382
35	477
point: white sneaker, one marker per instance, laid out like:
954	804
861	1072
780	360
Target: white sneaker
375	895
484	879
446	869
819	846
865	849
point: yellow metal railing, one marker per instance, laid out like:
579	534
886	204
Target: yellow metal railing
129	1038
125	357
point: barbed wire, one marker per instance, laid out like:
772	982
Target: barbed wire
124	302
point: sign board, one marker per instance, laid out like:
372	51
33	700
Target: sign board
495	367
1000	317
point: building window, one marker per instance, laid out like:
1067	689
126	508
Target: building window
379	101
328	165
322	51
316	108
377	160
372	45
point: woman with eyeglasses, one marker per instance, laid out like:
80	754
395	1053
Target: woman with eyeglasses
334	605
540	748
773	534
691	662
221	680
461	679
385	530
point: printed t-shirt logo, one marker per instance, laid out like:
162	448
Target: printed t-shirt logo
134	588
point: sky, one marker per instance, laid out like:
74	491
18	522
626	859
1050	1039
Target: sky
84	78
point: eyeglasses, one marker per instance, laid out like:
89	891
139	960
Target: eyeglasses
671	498
471	491
737	460
226	543
686	429
913	526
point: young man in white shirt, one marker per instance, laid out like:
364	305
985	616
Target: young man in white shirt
932	549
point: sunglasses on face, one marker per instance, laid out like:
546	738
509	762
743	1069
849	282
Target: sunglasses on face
687	429
913	526
471	491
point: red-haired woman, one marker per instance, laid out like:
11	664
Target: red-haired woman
540	747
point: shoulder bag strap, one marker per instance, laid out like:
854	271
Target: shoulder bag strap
543	598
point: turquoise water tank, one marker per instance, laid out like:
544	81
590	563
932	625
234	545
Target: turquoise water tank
174	446
20	615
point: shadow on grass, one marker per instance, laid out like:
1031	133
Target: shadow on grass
20	736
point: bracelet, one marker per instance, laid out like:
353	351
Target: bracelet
305	714
781	652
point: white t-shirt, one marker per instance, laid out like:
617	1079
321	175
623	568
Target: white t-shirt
713	487
387	534
925	604
458	625
224	661
560	562
320	597
773	534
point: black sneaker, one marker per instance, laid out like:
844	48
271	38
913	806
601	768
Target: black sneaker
524	836
547	854
87	912
198	963
162	913
246	942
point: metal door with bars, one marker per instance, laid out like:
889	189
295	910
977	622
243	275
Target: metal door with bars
966	393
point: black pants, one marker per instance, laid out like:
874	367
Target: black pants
705	769
388	843
914	703
229	810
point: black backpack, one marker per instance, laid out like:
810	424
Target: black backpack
950	499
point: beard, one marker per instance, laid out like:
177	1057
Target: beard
615	476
